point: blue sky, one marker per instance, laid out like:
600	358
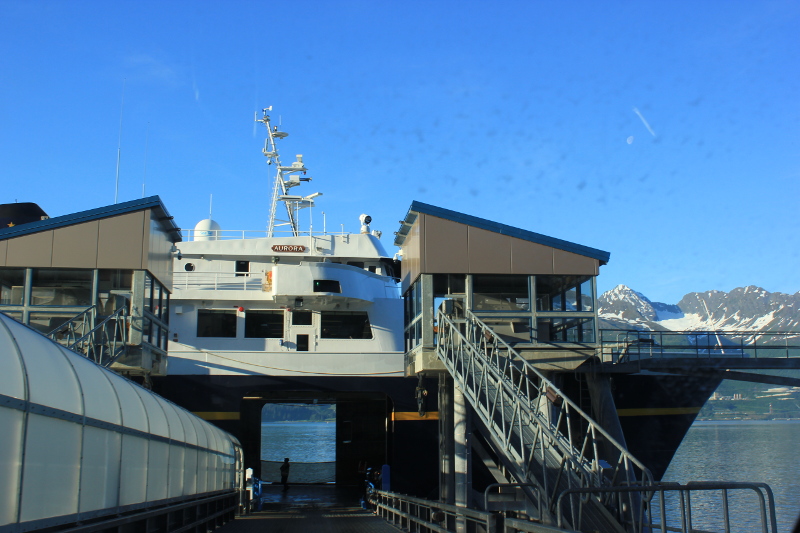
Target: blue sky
663	132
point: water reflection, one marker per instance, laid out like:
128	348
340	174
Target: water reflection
743	450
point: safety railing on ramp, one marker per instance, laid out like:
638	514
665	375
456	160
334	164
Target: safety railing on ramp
697	507
619	346
103	343
542	435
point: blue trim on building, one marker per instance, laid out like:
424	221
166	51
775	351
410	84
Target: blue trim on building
151	202
496	227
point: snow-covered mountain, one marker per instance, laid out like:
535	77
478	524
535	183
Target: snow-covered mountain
748	308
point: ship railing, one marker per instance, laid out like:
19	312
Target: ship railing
239	234
103	343
545	437
239	281
698	506
246	281
619	346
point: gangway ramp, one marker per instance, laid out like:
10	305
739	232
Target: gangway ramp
541	435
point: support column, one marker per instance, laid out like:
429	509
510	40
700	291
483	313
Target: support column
461	458
446	443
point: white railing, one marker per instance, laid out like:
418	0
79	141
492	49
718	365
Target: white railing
238	234
218	281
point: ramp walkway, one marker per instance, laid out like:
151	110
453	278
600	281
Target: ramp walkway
307	508
540	434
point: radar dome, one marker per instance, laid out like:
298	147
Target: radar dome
206	230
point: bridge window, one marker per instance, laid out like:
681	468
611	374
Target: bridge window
564	293
413	315
345	325
511	330
264	324
565	330
242	268
302	318
11	282
500	293
214	323
57	287
444	284
326	285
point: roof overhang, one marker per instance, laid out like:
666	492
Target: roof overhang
418	208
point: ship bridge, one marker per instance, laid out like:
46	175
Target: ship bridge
541	413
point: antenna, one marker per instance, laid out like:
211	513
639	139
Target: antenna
119	139
286	177
210	204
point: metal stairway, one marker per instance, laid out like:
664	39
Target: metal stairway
103	343
542	435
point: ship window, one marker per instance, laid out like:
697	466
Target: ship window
345	325
189	267
564	293
357	264
301	318
500	293
213	323
263	324
242	268
326	285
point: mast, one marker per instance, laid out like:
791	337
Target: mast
286	177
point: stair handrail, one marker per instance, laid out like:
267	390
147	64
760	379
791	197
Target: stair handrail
537	406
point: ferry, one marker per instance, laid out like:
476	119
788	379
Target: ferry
286	315
223	322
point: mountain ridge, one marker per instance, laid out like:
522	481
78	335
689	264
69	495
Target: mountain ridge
749	308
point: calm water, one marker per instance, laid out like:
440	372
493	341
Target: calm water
741	450
745	450
310	446
302	442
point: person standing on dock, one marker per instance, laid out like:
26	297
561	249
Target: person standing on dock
285	474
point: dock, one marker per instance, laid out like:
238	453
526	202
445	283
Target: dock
303	508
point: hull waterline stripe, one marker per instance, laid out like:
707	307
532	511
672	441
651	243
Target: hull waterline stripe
217	415
413	415
659	411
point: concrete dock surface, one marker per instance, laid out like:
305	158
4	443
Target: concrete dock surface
309	509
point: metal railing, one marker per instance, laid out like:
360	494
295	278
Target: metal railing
103	343
668	507
547	439
618	346
666	499
416	515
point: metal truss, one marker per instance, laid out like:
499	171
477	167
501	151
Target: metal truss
104	343
545	438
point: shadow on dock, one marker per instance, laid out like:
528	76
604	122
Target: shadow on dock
308	496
